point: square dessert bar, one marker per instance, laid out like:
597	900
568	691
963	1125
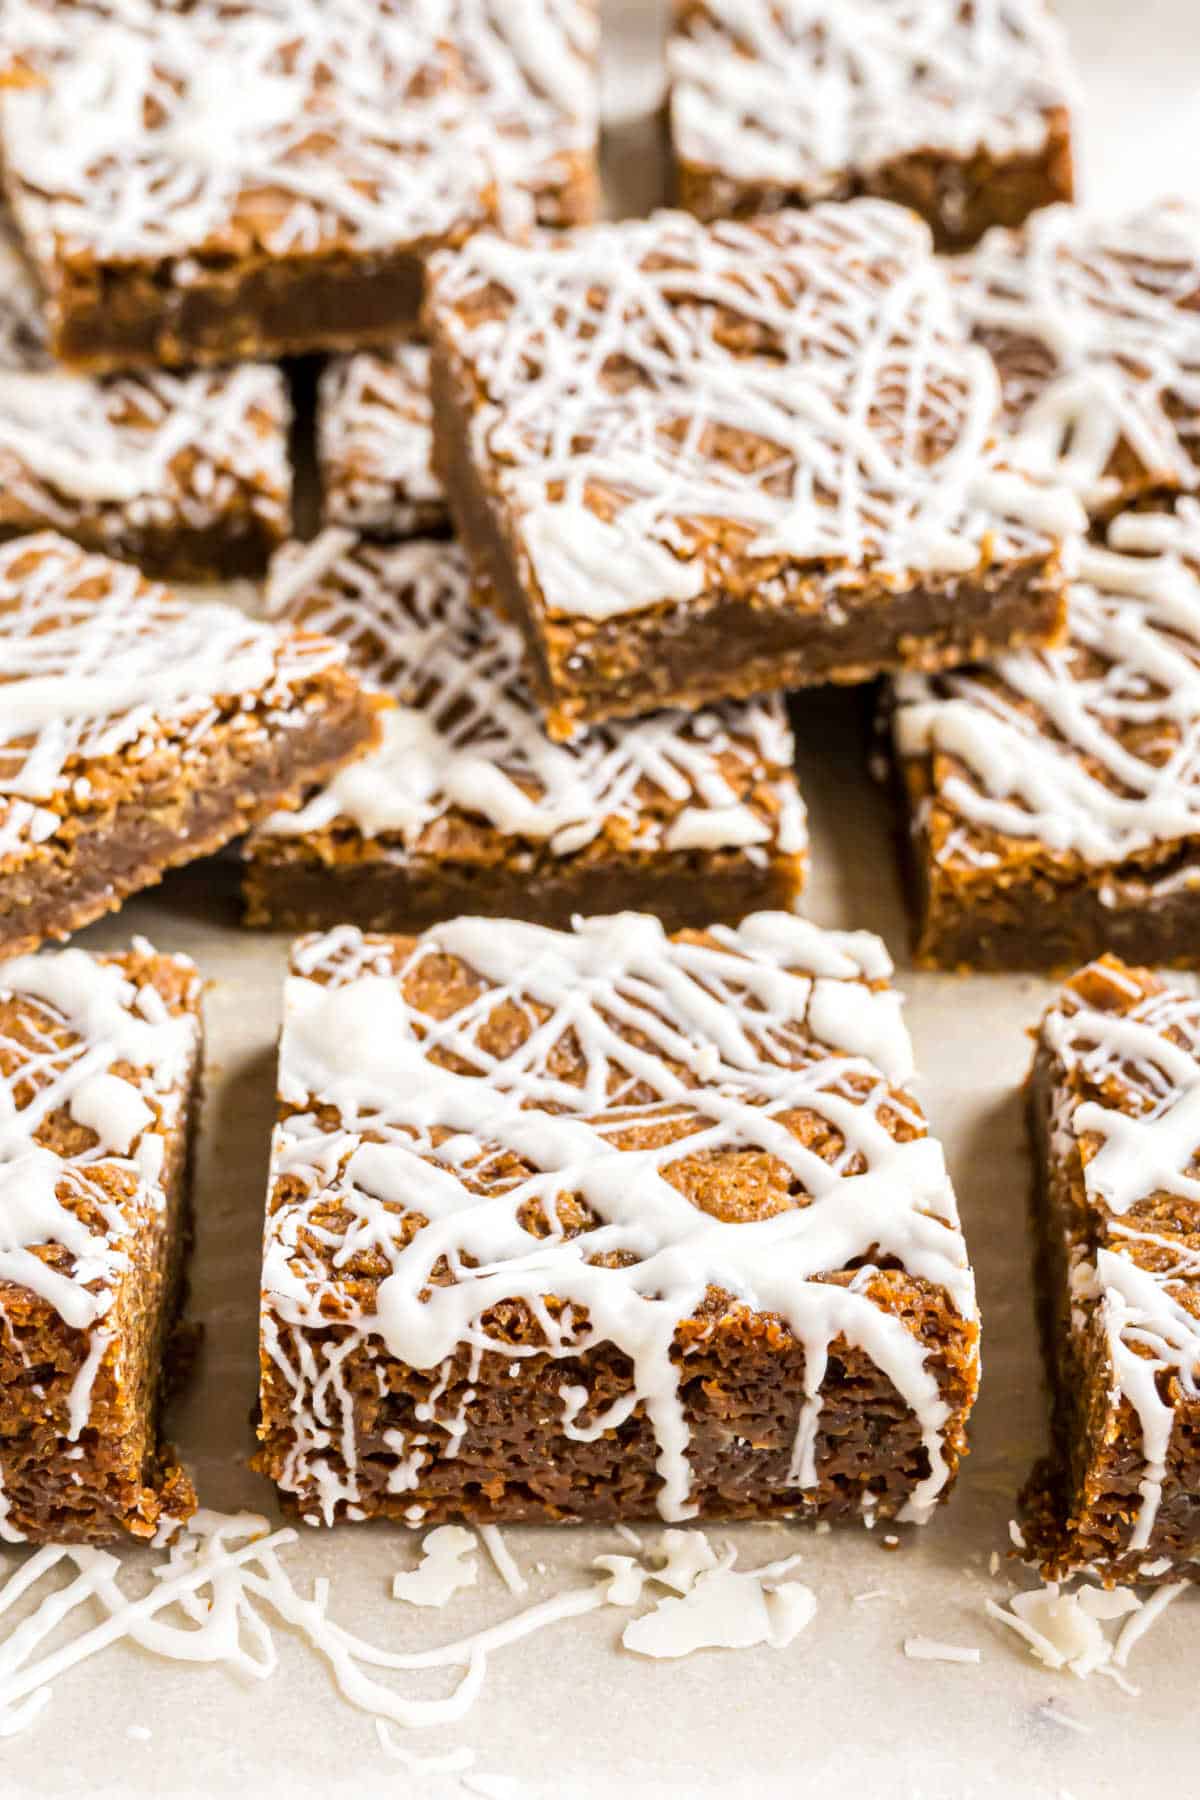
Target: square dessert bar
375	444
185	474
139	731
99	1080
1094	326
1114	1105
959	110
468	807
216	181
699	461
1053	797
590	1224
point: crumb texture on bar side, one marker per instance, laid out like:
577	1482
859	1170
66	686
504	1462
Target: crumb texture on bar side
595	1223
465	776
1115	1106
190	468
1071	776
821	99
1094	324
217	133
99	1060
375	444
139	730
781	414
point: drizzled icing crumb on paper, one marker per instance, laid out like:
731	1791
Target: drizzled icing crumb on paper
465	739
1095	330
810	94
926	1649
221	1586
1093	749
415	1137
1064	1628
662	405
447	1565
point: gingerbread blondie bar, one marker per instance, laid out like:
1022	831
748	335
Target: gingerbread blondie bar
215	181
468	807
598	1223
1053	797
99	1077
701	461
1095	329
139	731
1114	1105
185	474
961	111
375	444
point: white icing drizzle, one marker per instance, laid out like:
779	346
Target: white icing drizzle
123	455
98	664
725	1608
662	401
810	94
926	1649
164	131
375	443
1142	1284
1092	749
1110	310
447	1565
722	1036
222	1583
466	735
1064	1627
76	1018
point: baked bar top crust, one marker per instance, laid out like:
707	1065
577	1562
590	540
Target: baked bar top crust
605	1133
465	771
1079	759
110	685
375	443
1119	1053
98	1057
145	130
803	94
113	460
1095	328
663	409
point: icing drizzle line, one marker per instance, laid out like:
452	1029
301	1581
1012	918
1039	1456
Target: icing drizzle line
663	402
466	735
686	1046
